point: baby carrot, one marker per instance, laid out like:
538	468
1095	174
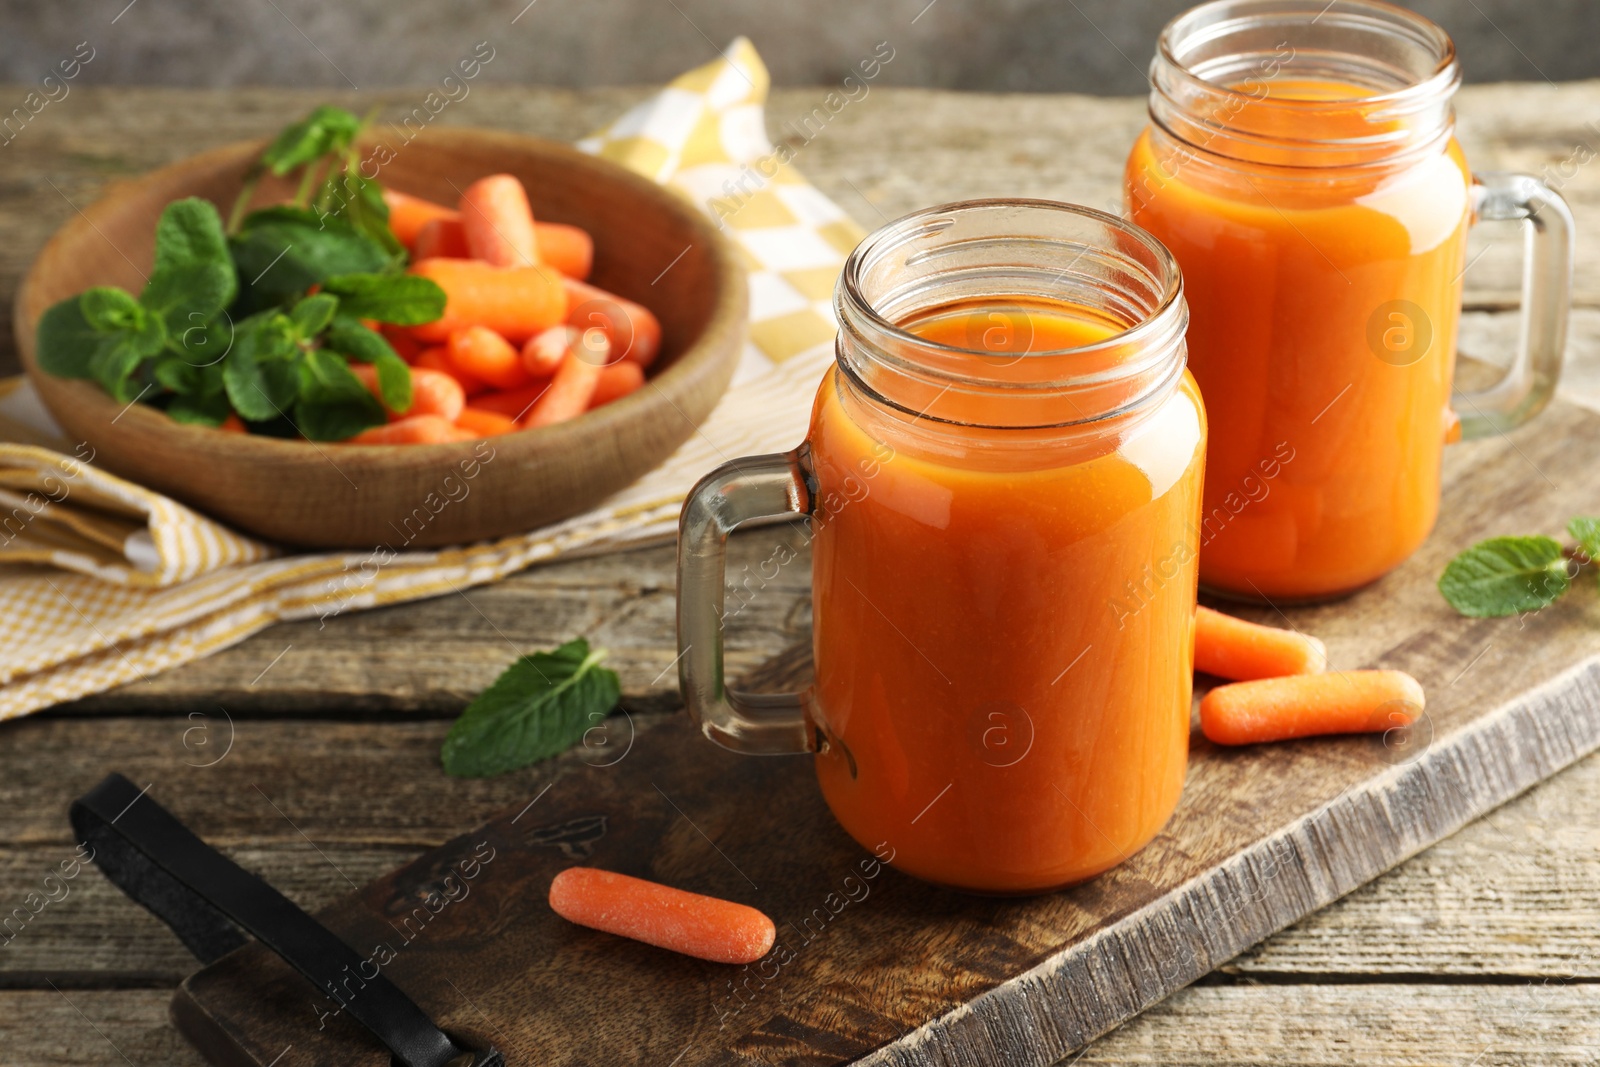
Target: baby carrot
438	358
483	354
512	403
1304	705
569	394
542	353
484	423
634	332
233	424
400	339
568	249
441	237
616	381
432	392
412	430
408	214
498	222
515	303
1232	648
674	919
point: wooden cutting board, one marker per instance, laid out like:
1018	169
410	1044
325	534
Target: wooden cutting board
873	967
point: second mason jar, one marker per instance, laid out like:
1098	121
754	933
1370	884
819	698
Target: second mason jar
1003	476
1300	163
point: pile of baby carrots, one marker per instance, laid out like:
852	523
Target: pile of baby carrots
1283	689
524	339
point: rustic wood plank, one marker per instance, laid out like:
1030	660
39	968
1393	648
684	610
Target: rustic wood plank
430	658
1388	1025
81	932
1510	895
1264	836
52	1028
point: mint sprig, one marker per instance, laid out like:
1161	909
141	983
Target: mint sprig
1512	575
540	706
229	323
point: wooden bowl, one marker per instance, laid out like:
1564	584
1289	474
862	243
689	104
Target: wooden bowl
650	246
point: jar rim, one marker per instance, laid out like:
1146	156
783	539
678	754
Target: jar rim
923	221
1445	77
982	253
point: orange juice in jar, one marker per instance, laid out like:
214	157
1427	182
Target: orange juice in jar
1301	166
1003	474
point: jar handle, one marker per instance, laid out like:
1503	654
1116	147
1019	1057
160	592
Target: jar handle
1546	294
756	487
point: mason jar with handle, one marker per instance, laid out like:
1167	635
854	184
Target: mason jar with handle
1002	479
1301	164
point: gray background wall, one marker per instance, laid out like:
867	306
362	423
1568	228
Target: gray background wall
1090	46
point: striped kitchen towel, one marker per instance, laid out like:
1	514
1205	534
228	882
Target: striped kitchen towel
104	582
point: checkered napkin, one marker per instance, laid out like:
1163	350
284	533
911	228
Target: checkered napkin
103	582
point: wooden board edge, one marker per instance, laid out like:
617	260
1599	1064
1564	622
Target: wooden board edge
1058	1007
209	1038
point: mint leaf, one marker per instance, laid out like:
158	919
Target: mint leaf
1586	531
114	364
326	129
65	343
541	705
283	251
403	299
111	310
312	315
348	337
193	277
260	373
333	404
1505	576
359	202
200	410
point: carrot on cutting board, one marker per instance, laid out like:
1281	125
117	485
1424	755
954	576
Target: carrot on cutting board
484	423
481	353
1306	705
616	382
498	222
674	919
569	393
1243	651
569	249
514	302
441	237
409	214
634	332
412	430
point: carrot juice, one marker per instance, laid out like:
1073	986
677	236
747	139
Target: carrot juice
1001	712
1300	164
1003	480
1286	281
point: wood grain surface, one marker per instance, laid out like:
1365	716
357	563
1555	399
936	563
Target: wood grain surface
1479	947
876	968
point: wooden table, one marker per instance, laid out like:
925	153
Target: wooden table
310	753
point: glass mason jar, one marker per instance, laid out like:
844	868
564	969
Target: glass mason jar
1003	477
1301	164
